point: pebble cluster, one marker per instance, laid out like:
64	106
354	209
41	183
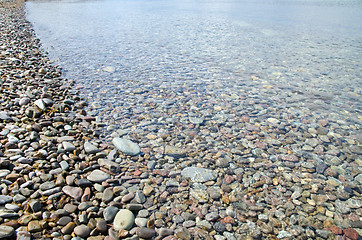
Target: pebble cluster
215	168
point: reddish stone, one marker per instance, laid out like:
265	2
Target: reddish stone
161	172
351	233
228	179
336	230
86	195
228	219
184	183
137	172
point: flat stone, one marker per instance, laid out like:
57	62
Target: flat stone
5	199
74	192
4	173
110	165
146	233
107	195
124	219
126	146
4	213
6	231
68	146
4	115
197	174
109	213
98	176
34	226
90	148
40	104
174	151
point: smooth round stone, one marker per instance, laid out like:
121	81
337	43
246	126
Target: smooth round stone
82	231
4	173
107	195
6	231
64	220
141	222
70	208
146	233
68	146
126	146
98	176
90	148
197	174
109	213
124	219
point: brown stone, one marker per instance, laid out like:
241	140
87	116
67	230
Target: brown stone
336	230
351	233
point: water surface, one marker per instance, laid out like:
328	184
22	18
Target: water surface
303	54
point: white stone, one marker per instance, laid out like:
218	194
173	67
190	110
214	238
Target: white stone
126	146
124	219
98	176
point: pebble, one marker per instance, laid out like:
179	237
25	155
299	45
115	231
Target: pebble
146	233
197	174
124	219
6	232
98	176
90	148
82	231
126	146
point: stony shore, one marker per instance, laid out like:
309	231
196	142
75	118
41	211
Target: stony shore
267	178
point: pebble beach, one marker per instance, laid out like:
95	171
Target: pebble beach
173	162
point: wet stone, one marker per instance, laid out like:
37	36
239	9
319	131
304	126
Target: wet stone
126	146
197	174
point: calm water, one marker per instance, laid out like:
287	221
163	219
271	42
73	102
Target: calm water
301	54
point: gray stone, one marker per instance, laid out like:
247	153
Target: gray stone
5	199
283	234
98	176
4	213
40	104
6	231
107	195
68	146
109	213
197	174
90	148
126	146
35	205
74	192
4	115
146	233
82	231
4	173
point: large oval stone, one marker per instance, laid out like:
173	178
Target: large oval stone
124	219
126	146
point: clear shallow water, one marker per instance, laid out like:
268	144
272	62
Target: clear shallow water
299	55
